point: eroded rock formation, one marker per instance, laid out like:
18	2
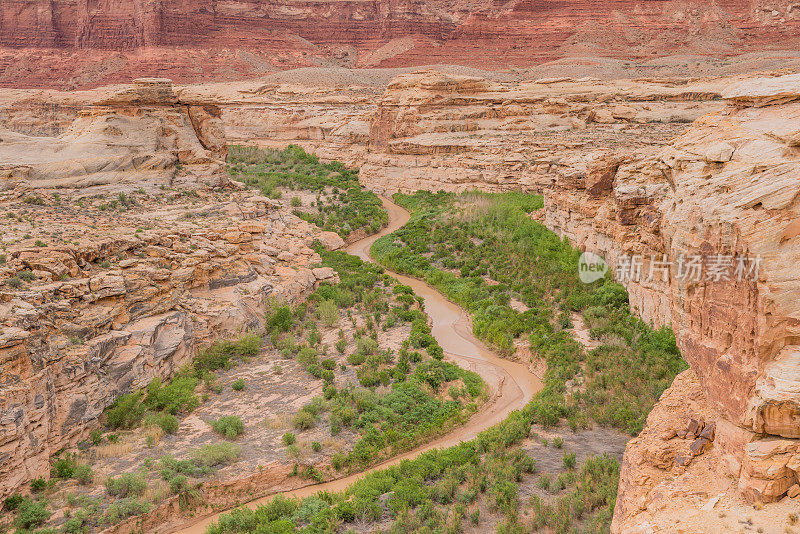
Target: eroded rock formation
128	248
623	173
731	190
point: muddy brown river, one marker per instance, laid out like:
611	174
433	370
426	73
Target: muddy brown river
511	384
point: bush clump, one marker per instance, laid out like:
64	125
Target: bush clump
228	426
127	484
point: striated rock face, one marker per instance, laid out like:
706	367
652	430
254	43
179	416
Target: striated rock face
727	189
140	128
118	264
440	131
85	42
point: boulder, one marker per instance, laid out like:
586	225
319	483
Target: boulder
323	273
330	240
105	285
601	116
626	113
765	475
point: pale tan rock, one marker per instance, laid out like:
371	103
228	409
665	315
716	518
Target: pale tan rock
775	408
719	152
601	116
764	91
626	113
794	491
330	240
323	273
107	286
253	227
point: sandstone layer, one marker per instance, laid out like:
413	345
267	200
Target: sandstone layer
85	43
125	248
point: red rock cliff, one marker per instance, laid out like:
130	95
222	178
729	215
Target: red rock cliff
77	43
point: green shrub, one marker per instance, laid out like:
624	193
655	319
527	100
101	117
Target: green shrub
220	354
127	411
569	460
304	420
174	397
340	345
316	446
356	358
83	474
558	442
238	385
123	509
38	484
96	436
127	484
64	467
280	320
217	454
288	439
166	422
31	513
228	426
12	502
328	313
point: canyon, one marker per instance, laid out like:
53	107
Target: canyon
645	167
642	168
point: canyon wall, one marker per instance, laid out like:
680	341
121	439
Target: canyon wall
126	248
79	43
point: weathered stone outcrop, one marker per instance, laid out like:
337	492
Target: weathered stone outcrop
128	249
723	191
137	129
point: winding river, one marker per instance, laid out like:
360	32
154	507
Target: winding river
511	384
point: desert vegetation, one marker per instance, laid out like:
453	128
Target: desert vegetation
392	399
334	199
478	484
486	253
519	282
384	388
